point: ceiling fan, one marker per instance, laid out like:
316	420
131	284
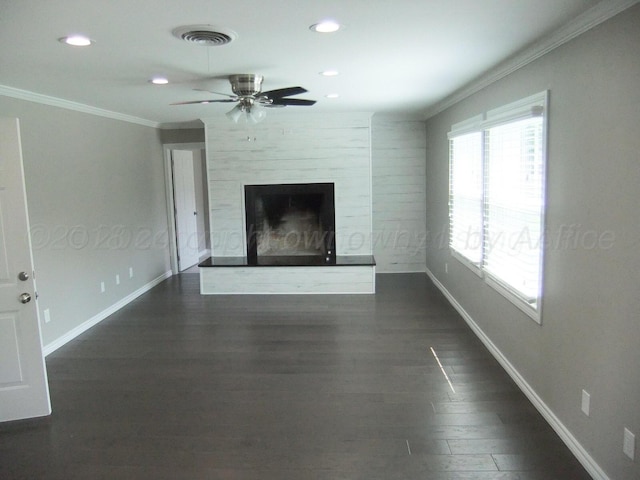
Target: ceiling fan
250	98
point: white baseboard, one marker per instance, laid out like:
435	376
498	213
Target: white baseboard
83	327
563	432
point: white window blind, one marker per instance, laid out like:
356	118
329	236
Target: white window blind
514	187
496	198
465	196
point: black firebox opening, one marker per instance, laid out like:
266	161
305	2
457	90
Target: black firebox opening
290	224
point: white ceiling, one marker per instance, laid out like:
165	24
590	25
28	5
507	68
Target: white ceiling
393	55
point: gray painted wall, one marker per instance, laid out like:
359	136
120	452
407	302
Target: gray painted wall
95	191
182	135
590	333
398	149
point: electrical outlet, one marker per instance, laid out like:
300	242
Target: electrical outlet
117	279
586	402
102	287
629	444
47	316
130	272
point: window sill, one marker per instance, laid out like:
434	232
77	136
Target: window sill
521	304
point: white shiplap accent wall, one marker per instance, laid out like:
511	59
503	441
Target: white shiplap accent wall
290	149
399	193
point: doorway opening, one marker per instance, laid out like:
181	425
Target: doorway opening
187	201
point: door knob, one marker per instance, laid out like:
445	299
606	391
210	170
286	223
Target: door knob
25	298
24	276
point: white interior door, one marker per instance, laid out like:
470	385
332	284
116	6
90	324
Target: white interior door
24	392
184	197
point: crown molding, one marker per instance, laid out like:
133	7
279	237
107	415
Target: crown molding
594	16
75	106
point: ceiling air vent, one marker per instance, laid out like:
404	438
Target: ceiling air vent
205	35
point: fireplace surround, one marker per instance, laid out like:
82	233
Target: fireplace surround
288	150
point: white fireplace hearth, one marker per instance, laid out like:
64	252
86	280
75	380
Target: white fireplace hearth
233	275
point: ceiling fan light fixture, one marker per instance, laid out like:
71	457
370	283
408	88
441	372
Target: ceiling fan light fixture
256	115
235	113
246	113
205	35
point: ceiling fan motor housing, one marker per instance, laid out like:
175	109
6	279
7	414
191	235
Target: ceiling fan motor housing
246	85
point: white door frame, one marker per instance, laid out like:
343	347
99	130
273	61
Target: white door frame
171	216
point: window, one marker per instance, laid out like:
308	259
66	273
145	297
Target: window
496	198
466	195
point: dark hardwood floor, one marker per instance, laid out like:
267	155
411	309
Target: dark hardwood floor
182	386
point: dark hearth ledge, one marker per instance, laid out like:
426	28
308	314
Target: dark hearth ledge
291	261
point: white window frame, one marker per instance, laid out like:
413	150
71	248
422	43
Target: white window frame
529	107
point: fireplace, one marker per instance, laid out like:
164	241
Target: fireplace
290	224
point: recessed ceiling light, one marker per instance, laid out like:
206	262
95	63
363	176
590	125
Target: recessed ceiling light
327	26
329	73
76	40
332	95
159	81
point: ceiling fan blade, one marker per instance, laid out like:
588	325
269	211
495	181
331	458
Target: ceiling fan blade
293	101
235	97
204	102
284	92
